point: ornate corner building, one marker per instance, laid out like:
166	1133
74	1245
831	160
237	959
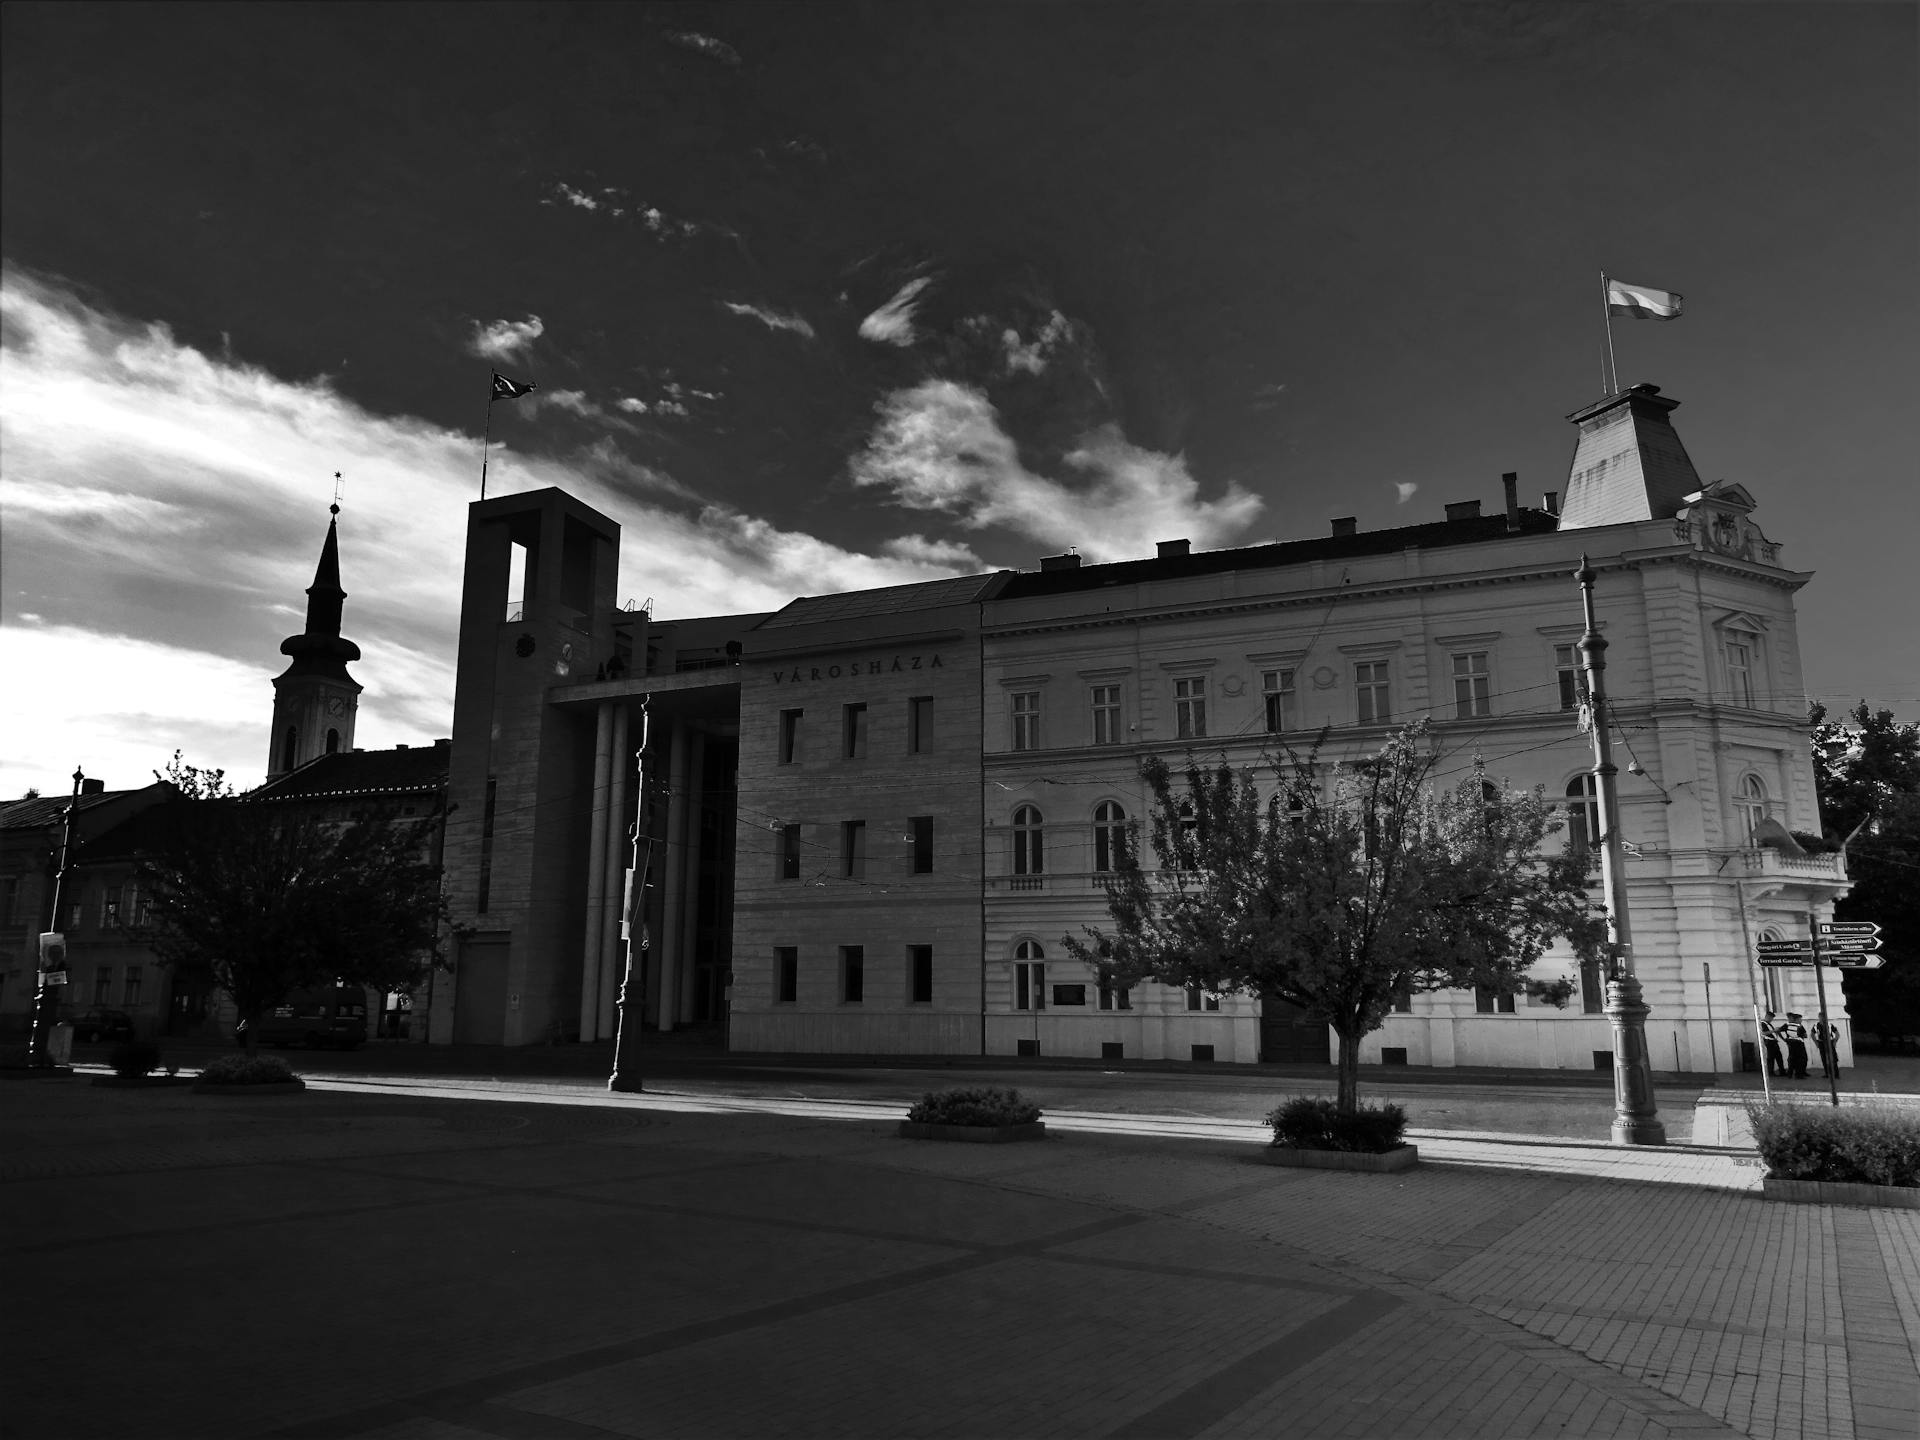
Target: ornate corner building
870	818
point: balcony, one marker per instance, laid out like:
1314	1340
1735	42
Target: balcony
1764	862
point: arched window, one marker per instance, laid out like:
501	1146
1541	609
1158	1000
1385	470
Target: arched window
333	742
1029	976
1109	837
1029	853
289	748
1750	802
1583	813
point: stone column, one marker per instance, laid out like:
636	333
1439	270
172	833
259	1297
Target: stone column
670	942
619	855
596	874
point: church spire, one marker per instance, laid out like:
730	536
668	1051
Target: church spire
315	699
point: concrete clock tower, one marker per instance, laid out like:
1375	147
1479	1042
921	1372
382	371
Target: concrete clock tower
314	699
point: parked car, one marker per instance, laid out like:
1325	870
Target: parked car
99	1023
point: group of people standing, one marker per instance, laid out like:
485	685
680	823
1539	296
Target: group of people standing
1789	1033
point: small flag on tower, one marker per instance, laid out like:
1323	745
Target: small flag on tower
1642	302
505	389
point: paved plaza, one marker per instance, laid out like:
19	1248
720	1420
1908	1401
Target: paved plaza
435	1259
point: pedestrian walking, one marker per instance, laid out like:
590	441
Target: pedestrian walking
1770	1038
1795	1034
1826	1039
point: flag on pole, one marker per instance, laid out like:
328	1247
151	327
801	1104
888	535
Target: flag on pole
1642	302
505	389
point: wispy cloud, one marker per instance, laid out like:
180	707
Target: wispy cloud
772	319
165	509
1403	490
921	550
505	339
892	323
939	446
1032	356
606	198
706	45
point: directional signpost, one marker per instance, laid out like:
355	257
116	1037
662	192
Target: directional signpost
1785	952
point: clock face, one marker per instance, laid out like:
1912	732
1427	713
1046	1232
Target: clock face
336	705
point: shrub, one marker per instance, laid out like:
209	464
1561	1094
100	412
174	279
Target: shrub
979	1106
1314	1122
247	1070
1862	1144
132	1059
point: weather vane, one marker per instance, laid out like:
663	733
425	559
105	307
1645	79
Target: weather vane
337	482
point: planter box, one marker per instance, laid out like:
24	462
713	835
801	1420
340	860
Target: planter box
974	1134
1386	1162
1841	1192
273	1087
143	1082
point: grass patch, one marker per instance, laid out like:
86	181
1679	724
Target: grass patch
981	1105
1856	1144
1314	1122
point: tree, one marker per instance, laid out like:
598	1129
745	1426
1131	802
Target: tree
194	781
1342	887
263	903
1867	773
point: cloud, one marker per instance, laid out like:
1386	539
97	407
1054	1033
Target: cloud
939	446
575	401
632	404
892	323
606	198
921	550
772	319
1403	490
1032	358
504	339
165	509
704	45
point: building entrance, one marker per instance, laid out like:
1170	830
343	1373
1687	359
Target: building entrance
1289	1036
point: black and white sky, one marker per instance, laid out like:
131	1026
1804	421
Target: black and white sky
820	296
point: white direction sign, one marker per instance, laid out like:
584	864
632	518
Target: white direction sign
1847	945
1858	962
1846	929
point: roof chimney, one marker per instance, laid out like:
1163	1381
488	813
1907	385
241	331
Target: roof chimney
1550	502
1511	480
1464	510
1174	549
1346	525
1068	561
93	787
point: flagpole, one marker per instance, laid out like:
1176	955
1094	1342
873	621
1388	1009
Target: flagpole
1612	385
485	441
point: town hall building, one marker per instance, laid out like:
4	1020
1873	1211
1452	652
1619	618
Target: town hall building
866	821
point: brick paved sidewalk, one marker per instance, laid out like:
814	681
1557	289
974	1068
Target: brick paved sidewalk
348	1263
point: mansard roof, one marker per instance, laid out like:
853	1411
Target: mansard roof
362	775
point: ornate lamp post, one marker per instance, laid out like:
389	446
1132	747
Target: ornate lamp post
1635	1120
53	958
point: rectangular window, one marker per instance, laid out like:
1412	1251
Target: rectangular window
786	974
853	733
789	852
1106	714
920	974
1278	686
853	849
1740	671
486	847
1371	702
1403	1000
76	914
1030	985
109	907
1472	686
1115	997
1190	708
1026	720
1070	995
1593	991
853	973
922	844
1198	999
1573	681
130	989
9	897
1488	1003
103	985
790	736
920	725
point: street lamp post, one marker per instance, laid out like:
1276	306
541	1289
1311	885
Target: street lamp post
38	1055
1635	1120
